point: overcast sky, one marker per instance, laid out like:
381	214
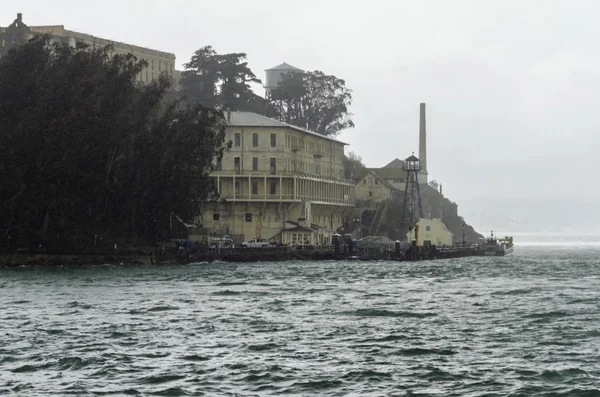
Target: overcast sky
510	86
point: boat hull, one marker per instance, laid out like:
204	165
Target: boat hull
500	252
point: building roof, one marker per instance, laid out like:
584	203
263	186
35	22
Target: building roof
390	173
396	163
412	158
284	66
379	178
60	31
249	119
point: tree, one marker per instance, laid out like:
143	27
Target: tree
313	100
87	153
220	81
353	166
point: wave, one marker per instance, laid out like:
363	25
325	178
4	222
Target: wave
226	293
389	313
158	379
195	357
228	283
367	375
419	351
519	291
172	392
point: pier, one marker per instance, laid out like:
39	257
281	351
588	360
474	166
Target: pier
327	252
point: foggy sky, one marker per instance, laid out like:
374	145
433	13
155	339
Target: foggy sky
510	86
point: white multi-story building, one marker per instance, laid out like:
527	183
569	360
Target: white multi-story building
278	182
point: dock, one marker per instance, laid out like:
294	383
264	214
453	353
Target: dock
326	252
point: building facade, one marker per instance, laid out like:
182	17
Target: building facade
372	190
278	182
431	231
158	62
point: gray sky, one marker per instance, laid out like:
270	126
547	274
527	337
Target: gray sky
510	86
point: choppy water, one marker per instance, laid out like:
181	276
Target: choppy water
527	325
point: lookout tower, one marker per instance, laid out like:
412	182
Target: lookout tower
274	76
413	208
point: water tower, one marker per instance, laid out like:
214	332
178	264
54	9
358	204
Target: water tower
275	75
413	208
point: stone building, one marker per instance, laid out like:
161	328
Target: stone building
158	61
278	182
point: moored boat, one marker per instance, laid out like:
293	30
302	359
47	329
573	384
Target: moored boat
498	247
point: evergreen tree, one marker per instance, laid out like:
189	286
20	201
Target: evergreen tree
88	154
220	81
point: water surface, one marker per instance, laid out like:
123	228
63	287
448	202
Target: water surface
527	325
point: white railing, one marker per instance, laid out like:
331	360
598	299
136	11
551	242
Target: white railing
277	174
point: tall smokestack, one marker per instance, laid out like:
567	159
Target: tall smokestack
423	139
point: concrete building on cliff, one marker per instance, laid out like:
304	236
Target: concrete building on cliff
278	182
158	61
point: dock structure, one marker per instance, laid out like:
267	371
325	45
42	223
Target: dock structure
327	252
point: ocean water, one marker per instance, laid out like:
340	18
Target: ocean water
526	325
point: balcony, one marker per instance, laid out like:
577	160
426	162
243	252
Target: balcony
272	173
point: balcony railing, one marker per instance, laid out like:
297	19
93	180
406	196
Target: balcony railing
276	174
346	200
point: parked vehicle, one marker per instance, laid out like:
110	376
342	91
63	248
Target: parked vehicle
255	243
224	242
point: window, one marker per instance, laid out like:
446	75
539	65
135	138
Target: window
237	140
272	188
237	164
273	140
146	74
255	139
219	164
248	217
318	169
153	64
238	187
273	165
370	194
428	228
255	188
254	163
216	217
376	182
364	181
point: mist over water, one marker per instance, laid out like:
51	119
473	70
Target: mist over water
526	325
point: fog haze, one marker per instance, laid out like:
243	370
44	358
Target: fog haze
510	86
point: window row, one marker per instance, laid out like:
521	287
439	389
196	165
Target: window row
237	139
237	164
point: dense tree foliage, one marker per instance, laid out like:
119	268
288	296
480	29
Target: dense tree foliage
220	81
313	100
88	154
353	166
